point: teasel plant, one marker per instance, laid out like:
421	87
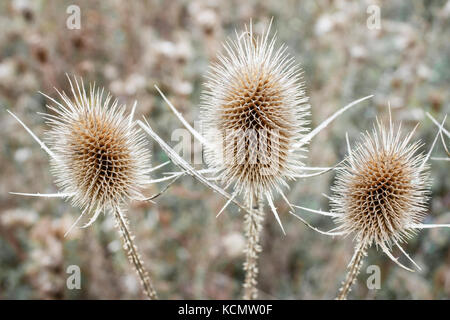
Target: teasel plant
380	196
254	132
99	159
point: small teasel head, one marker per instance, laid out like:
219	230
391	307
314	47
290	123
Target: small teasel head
253	111
100	155
382	190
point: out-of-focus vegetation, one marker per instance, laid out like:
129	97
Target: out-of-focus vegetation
127	47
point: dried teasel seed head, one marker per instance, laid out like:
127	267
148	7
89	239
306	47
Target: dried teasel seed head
100	155
253	112
383	188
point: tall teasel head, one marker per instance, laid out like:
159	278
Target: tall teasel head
253	112
100	157
381	192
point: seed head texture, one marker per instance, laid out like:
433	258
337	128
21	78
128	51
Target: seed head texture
383	188
253	111
100	155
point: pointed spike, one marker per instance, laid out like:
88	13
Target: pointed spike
76	222
226	204
133	109
180	117
93	218
327	121
349	149
286	200
440	159
179	161
434	142
386	251
428	226
320	172
43	146
445	131
164	179
323	213
274	211
407	256
328	233
44	195
158	167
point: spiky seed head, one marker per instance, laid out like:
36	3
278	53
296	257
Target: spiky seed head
383	188
101	156
253	111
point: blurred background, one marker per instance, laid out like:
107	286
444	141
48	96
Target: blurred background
127	47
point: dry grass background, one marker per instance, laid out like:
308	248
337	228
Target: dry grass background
128	46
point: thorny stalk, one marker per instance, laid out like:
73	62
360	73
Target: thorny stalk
133	254
353	270
253	223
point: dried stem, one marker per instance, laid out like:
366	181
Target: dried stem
253	228
354	268
133	255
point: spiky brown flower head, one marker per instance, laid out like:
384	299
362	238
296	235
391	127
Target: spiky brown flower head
383	188
253	112
100	155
